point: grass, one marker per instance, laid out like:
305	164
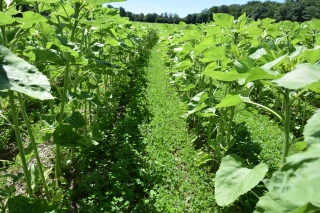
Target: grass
180	187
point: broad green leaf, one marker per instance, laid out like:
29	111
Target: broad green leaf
233	179
34	177
311	130
298	181
302	76
213	54
203	45
96	134
47	31
207	112
187	88
66	12
76	120
223	19
43	1
63	135
272	203
191	35
232	100
57	194
225	76
18	75
197	102
184	65
202	158
21	204
312	55
301	145
31	18
260	74
211	67
315	24
200	97
308	208
197	108
273	30
5	19
45	56
258	54
315	86
86	141
273	63
101	2
243	65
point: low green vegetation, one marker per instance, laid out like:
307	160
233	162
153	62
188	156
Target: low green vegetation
180	186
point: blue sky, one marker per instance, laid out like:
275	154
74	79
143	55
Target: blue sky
181	7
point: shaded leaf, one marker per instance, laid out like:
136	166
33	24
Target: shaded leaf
63	135
20	204
76	120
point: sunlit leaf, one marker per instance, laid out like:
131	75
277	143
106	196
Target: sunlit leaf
18	75
302	76
234	179
223	19
232	100
202	158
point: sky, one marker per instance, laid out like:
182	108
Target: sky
180	7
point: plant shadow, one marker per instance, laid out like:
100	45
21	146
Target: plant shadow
111	177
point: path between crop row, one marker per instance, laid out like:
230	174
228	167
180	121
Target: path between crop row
180	186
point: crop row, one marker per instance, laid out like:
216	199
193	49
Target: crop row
59	74
221	66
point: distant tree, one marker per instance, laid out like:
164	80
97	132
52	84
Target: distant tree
141	17
188	19
150	18
122	12
235	10
175	19
294	10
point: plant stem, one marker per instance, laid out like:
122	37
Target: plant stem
61	116
287	118
34	146
229	126
15	118
267	109
19	141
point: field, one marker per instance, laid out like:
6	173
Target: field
100	114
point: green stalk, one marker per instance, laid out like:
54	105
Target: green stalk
287	119
65	88
34	146
268	109
229	126
15	118
19	141
63	103
303	116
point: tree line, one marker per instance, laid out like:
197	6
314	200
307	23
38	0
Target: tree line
293	10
